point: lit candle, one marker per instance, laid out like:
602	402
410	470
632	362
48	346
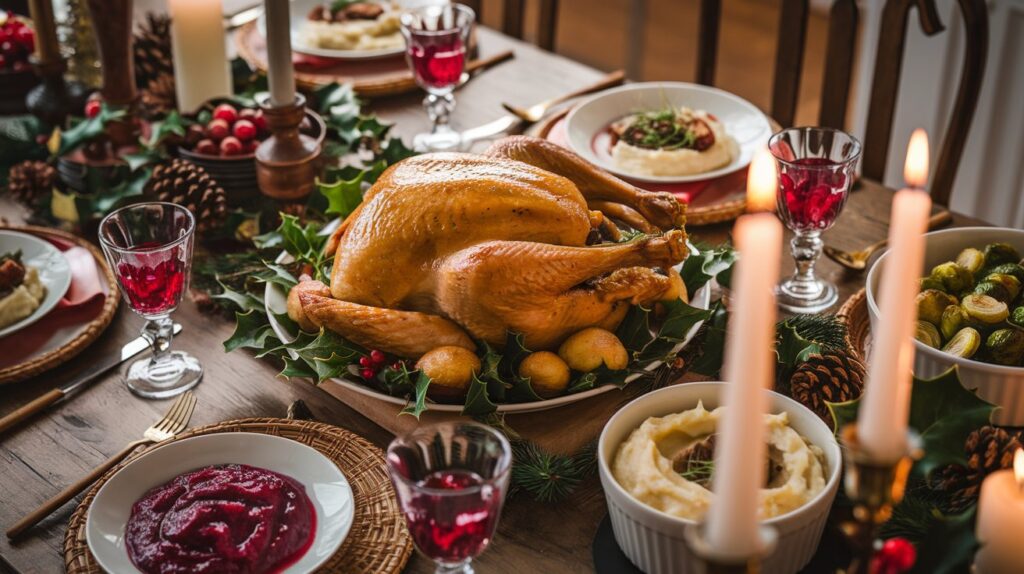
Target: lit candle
885	407
200	56
280	73
732	521
1001	520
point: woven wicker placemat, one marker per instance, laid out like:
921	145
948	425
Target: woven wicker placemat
854	313
89	332
378	542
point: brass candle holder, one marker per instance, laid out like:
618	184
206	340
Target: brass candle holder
875	488
288	162
709	561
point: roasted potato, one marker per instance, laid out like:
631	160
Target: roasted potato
593	347
450	369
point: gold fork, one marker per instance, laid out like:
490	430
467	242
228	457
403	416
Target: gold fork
858	260
175	421
534	113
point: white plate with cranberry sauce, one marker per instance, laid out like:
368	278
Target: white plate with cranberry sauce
591	126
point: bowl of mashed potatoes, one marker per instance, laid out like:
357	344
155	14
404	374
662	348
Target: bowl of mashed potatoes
655	461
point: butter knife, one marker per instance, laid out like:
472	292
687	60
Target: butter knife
89	375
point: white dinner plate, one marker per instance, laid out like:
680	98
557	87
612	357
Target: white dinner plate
54	272
276	301
324	483
746	124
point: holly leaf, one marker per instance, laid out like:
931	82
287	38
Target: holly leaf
515	352
395	151
522	391
791	349
140	158
478	402
170	125
243	301
88	129
334	366
251	331
329	344
701	267
277	275
709	360
843	413
635	329
584	382
337	101
343	196
132	186
678	322
418	403
298	368
948	546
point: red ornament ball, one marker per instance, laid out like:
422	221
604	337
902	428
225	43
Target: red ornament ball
244	130
92	108
260	121
230	146
218	129
225	112
207	147
896	556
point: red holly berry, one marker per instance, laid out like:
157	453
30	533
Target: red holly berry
225	112
397	365
230	146
377	357
246	114
368	374
92	108
244	130
365	362
896	556
218	129
207	147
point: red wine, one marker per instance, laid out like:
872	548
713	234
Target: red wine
449	526
153	282
812	192
438	61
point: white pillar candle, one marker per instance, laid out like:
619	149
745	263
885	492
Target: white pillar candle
1001	520
732	522
201	67
280	72
885	407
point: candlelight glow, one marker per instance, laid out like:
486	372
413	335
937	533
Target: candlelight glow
762	182
1018	466
915	170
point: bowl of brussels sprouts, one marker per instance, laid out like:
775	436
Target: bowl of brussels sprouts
970	312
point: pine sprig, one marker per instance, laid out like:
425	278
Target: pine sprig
548	477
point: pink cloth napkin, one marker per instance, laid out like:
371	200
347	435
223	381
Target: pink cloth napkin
82	303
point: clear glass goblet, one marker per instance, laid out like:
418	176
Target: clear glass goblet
436	38
149	247
451	480
816	171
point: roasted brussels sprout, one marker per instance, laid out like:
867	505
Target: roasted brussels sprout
984	309
953	319
971	259
954	277
1009	282
931	304
928	334
931	283
1017	317
994	290
964	344
1006	346
1014	269
999	253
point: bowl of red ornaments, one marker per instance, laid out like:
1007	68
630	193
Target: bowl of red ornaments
223	141
17	41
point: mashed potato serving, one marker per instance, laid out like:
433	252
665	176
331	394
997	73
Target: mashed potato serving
21	292
358	26
671	142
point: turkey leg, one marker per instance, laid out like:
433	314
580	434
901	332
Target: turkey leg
661	208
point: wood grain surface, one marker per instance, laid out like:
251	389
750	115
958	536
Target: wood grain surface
63	444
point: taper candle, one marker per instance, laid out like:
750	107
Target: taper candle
200	57
732	521
1001	520
280	71
885	406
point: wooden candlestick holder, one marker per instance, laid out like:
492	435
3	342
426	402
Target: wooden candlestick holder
708	561
114	37
288	162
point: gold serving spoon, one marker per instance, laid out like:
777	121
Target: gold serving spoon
858	260
534	113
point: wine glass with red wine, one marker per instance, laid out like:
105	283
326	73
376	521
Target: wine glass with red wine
451	480
436	37
149	247
816	171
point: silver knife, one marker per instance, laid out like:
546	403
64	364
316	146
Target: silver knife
496	128
89	375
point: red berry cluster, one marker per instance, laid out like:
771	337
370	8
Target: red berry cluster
17	41
896	556
232	132
370	365
93	106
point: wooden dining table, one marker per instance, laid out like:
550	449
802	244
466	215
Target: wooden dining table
59	446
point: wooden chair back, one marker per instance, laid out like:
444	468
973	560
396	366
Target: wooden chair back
513	19
792	35
885	86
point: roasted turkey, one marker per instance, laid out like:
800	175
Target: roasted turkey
448	247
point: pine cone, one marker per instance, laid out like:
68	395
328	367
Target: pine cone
832	376
988	449
151	50
158	97
187	184
30	181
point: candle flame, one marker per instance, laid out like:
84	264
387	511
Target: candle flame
762	182
915	170
1018	466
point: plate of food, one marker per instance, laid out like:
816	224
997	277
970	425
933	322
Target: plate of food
667	132
485	283
34	275
346	29
224	500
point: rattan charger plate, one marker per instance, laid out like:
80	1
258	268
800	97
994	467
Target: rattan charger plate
378	542
86	333
854	313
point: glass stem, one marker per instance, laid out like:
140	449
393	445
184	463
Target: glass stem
806	248
439	110
457	568
159	332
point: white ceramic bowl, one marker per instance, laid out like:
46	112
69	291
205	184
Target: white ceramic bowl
742	121
997	384
654	541
325	484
